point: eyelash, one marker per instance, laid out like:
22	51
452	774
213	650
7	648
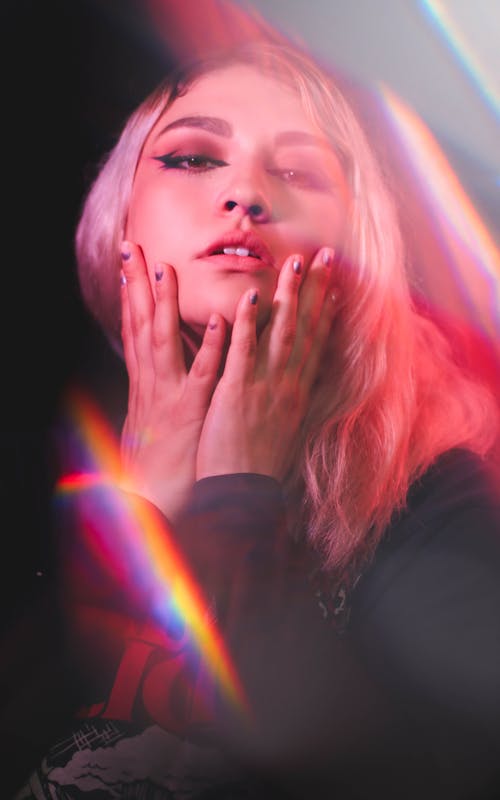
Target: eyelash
171	161
197	163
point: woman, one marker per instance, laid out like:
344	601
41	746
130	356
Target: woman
305	433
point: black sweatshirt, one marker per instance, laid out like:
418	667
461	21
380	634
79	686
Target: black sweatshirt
389	691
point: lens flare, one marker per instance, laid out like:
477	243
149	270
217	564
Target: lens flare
463	52
471	285
145	557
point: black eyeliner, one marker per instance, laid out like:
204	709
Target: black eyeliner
172	161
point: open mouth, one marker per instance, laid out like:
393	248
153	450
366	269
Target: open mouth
236	245
244	252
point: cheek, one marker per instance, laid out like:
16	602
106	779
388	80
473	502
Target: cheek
321	222
158	223
150	212
331	223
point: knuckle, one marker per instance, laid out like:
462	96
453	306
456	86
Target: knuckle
308	340
205	364
200	369
318	273
289	285
138	322
287	334
246	344
159	337
129	269
166	290
322	277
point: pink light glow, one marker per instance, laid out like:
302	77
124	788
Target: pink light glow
467	285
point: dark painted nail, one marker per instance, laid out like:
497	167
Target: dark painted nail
158	273
327	257
253	298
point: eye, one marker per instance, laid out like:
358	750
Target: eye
302	179
291	175
190	162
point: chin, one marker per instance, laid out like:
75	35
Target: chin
226	307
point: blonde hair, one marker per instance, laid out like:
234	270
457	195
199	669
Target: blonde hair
390	397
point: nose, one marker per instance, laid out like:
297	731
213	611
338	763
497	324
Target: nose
256	211
244	197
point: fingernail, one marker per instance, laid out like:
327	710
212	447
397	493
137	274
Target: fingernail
254	297
327	256
334	296
123	279
158	272
125	251
297	265
212	322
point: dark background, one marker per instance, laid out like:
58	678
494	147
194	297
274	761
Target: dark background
72	73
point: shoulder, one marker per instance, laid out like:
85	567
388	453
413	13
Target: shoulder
440	559
457	500
458	482
426	618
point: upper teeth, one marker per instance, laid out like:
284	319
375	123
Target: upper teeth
239	251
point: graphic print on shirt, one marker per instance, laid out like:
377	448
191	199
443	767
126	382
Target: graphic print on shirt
143	740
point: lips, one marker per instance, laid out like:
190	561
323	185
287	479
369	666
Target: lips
239	245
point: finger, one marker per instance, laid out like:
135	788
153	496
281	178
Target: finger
126	331
310	304
167	350
277	339
240	361
130	362
141	309
203	374
323	331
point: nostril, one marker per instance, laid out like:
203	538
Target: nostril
255	210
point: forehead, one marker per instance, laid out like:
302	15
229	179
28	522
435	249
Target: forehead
246	95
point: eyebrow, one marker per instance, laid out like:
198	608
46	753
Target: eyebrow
298	137
211	124
221	127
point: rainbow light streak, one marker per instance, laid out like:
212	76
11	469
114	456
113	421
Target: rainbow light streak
455	40
474	256
150	556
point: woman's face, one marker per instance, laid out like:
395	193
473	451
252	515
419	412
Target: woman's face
233	178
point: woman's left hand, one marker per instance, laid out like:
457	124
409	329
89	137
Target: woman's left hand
262	397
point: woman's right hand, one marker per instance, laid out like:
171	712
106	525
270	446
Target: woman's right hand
167	403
